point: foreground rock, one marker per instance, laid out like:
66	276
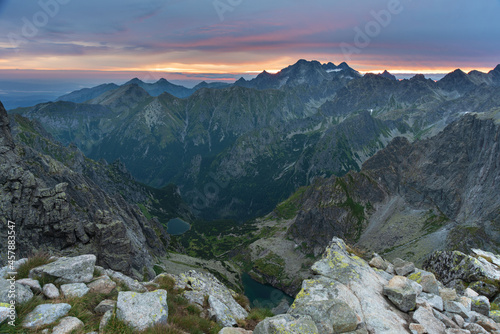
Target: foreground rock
45	314
68	270
400	291
222	305
142	310
68	325
286	323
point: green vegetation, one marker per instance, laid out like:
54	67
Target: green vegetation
270	265
288	209
36	260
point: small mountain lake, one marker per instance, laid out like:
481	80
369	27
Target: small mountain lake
177	226
263	295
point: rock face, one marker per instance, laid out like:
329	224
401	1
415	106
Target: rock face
58	205
142	310
407	195
223	306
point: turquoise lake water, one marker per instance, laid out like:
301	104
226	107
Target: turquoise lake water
261	295
177	226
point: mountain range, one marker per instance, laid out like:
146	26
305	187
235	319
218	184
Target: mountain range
236	151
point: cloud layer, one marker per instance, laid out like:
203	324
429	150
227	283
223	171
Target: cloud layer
235	36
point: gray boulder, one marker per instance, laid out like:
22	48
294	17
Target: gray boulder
45	314
74	290
425	317
6	313
401	293
232	330
456	307
433	300
427	280
68	269
449	266
68	325
223	314
103	285
142	310
130	283
105	306
33	284
480	304
475	329
486	289
51	291
378	262
402	267
200	285
23	293
357	284
104	321
495	316
324	300
286	323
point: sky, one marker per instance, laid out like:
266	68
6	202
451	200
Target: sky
187	41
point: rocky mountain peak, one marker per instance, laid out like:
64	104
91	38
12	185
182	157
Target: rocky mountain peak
386	74
497	68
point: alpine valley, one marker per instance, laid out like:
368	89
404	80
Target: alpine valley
267	172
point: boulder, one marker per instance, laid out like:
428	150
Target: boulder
457	331
456	307
357	284
427	280
480	304
130	283
448	322
6	313
223	314
489	257
451	265
33	284
105	306
425	317
45	314
401	293
417	329
232	330
475	329
483	288
205	285
470	293
325	301
74	290
448	294
402	267
485	322
378	262
23	293
286	323
458	320
433	300
68	325
50	291
68	269
103	285
495	316
104	321
142	310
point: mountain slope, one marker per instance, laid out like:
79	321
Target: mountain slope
58	208
85	94
420	196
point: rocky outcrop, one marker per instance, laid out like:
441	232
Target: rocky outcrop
348	296
58	209
202	287
435	194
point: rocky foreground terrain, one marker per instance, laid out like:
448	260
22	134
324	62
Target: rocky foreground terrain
457	293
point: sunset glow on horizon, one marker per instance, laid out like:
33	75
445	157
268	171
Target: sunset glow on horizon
192	40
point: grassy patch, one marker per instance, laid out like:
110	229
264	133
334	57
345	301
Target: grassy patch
36	260
270	265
